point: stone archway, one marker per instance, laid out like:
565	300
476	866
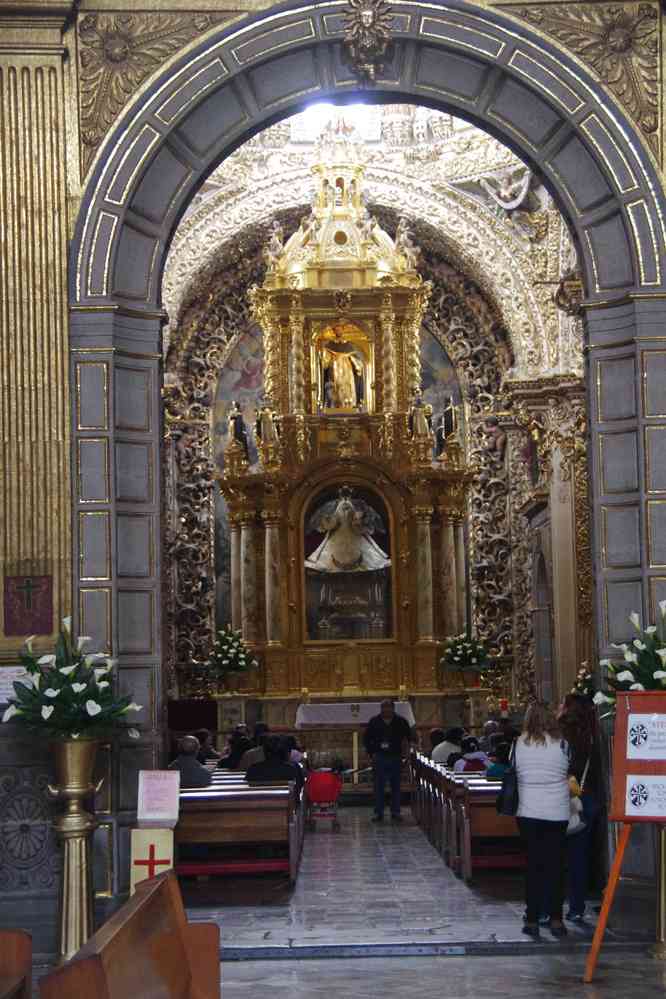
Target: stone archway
475	62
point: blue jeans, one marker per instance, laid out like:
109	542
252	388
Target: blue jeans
578	856
387	767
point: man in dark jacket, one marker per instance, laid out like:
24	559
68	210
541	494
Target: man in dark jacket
192	773
275	766
386	739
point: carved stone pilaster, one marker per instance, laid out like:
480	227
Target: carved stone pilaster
424	596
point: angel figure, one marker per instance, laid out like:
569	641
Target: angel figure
405	245
273	250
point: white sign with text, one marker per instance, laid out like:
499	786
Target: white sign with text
158	799
646	737
646	796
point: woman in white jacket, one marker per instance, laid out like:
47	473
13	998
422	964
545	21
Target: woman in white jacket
542	767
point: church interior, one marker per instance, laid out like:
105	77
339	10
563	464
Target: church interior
333	378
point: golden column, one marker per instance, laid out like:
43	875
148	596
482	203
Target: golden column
448	573
387	323
248	576
424	601
34	416
296	328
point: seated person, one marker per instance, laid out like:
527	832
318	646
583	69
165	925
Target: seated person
275	766
451	744
500	761
238	747
255	753
207	750
192	773
295	753
472	759
437	737
490	729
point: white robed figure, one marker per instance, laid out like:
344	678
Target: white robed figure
348	546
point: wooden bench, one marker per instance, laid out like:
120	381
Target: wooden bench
147	948
235	815
15	964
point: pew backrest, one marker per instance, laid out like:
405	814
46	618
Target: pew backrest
147	948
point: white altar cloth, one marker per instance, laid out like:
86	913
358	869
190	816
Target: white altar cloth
347	713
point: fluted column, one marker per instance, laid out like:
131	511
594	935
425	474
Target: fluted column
248	578
424	603
461	577
449	579
272	577
235	537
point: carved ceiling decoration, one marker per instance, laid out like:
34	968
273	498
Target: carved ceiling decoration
367	40
117	52
620	43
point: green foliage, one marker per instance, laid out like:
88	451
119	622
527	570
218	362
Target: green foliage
67	694
229	654
462	652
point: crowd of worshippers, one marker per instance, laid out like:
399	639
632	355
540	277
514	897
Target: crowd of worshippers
264	758
464	753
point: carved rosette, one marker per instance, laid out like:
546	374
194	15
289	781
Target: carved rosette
117	52
620	43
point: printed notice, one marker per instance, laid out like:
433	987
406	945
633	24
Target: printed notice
158	799
646	737
646	797
8	677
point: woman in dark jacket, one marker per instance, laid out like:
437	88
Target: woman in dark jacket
578	721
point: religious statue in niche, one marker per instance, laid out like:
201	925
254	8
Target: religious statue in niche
342	361
348	572
447	428
237	428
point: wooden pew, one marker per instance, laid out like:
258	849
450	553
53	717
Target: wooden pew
231	813
15	964
147	948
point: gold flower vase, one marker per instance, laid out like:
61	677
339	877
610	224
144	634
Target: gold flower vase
74	762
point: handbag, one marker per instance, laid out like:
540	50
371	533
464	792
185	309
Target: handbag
507	799
576	822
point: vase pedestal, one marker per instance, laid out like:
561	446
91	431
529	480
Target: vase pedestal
74	764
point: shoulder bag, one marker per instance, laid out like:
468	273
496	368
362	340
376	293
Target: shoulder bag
576	821
507	799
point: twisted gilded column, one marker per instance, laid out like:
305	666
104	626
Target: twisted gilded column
461	587
248	576
235	539
387	324
412	328
272	576
424	601
449	579
296	328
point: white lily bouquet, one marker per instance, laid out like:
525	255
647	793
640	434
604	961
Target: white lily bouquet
68	694
644	661
229	654
462	652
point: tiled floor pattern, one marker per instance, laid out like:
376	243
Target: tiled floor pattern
367	884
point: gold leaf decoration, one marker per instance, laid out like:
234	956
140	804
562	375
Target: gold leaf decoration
117	52
619	42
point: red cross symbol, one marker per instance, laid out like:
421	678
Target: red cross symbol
151	863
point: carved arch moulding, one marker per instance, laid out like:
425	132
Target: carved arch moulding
459	57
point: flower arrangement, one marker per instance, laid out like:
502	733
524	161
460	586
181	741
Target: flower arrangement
462	652
644	665
584	684
68	694
229	654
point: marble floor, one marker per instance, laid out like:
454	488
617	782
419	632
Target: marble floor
368	885
538	977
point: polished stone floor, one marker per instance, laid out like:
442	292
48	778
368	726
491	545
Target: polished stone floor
620	976
366	885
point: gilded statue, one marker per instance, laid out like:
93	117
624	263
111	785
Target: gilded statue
342	372
237	428
267	427
420	418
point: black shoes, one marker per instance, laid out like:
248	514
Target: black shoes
559	930
396	818
531	930
377	818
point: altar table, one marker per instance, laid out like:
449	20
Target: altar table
348	713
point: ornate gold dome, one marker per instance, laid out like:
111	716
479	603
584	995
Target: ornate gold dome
340	245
